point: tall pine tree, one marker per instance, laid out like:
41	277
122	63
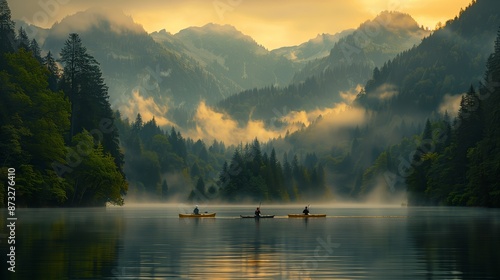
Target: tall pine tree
22	39
54	73
82	81
7	32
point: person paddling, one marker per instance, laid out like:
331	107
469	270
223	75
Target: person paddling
196	211
257	212
306	211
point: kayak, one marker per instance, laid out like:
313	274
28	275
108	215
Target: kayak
201	215
258	217
306	216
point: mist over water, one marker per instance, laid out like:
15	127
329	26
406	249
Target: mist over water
354	241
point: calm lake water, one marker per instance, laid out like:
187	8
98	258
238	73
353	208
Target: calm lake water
151	242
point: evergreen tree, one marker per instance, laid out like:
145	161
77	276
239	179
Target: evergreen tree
22	40
195	170
469	129
178	143
277	180
483	175
203	153
200	186
149	130
224	175
90	108
137	126
296	170
256	155
36	51
96	181
427	134
233	177
492	72
164	189
32	122
76	62
54	73
7	32
181	149
287	174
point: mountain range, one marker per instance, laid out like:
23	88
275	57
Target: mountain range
135	67
229	54
209	63
323	82
372	43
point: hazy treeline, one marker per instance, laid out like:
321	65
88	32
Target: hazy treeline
162	165
307	95
259	176
464	168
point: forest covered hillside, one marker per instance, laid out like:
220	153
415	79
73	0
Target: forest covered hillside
104	112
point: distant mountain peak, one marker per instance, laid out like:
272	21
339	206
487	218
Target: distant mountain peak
315	48
112	19
321	38
393	21
218	29
164	31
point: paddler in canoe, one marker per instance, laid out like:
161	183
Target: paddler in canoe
257	215
257	212
306	214
196	214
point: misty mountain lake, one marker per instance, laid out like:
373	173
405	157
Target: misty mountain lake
352	242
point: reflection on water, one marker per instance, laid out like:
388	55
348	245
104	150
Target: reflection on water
463	243
351	243
64	244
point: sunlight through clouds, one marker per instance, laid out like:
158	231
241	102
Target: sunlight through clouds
148	109
271	23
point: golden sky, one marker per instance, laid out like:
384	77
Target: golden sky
271	23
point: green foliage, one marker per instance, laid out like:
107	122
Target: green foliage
33	121
272	102
256	176
90	109
96	180
7	33
465	171
446	62
54	73
22	39
161	165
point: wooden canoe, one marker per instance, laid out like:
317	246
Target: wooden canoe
201	215
306	216
258	217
